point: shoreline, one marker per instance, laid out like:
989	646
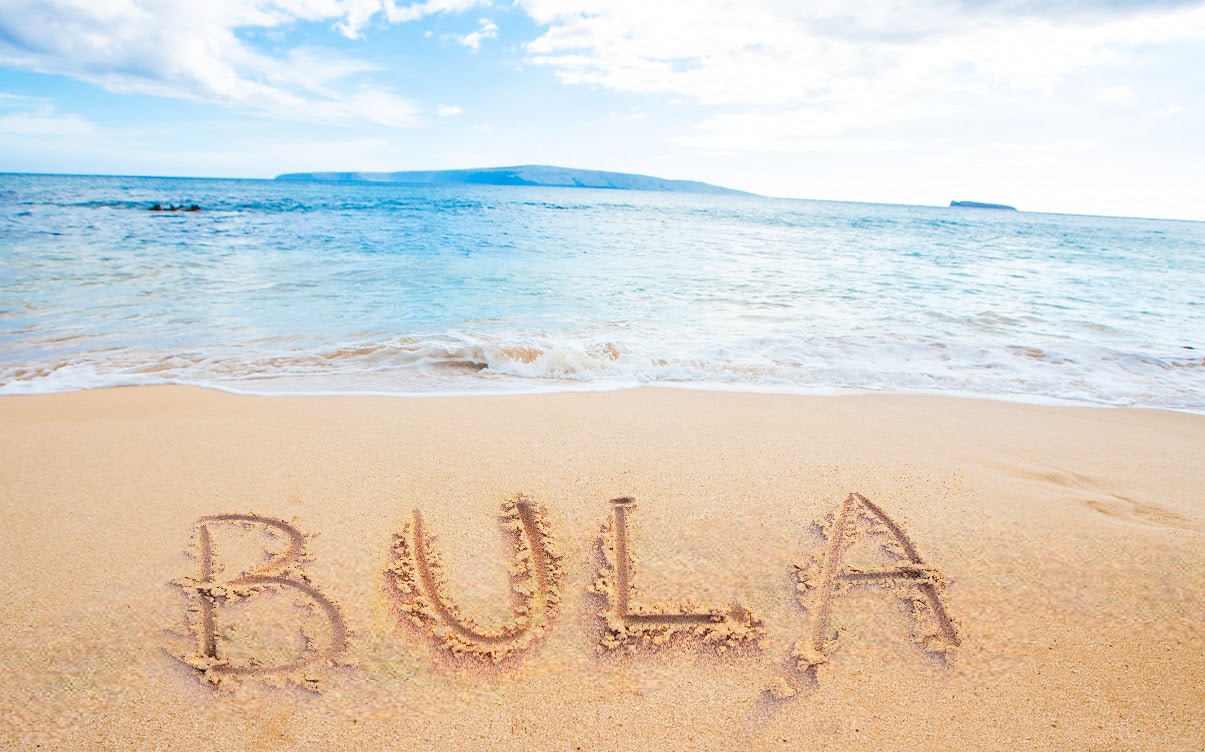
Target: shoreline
597	387
1063	545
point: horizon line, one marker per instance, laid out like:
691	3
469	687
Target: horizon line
743	193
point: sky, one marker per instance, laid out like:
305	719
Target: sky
1089	107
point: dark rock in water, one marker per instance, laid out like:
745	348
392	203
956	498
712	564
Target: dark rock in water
980	205
530	175
173	208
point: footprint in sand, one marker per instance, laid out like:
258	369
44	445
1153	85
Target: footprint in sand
1094	495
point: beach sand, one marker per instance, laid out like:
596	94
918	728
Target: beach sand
188	569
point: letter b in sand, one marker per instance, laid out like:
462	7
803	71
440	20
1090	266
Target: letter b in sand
255	612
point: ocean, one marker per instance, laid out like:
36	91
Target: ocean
320	288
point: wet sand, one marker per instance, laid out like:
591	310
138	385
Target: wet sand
650	568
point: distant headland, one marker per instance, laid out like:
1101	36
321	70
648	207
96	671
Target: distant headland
537	175
981	205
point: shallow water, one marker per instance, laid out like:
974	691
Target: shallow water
300	288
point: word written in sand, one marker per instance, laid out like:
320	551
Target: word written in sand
255	613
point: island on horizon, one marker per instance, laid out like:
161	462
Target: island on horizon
531	175
981	205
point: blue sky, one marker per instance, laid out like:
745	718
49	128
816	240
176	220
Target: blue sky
1050	105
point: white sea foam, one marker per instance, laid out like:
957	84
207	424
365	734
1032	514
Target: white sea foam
473	365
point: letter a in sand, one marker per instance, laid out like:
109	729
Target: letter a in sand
909	578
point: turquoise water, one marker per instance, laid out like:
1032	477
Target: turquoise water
321	288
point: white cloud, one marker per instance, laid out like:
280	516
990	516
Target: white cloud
193	50
1167	112
29	116
800	129
449	110
415	11
486	29
1114	94
817	69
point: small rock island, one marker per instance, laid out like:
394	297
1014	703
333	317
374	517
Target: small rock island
981	205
